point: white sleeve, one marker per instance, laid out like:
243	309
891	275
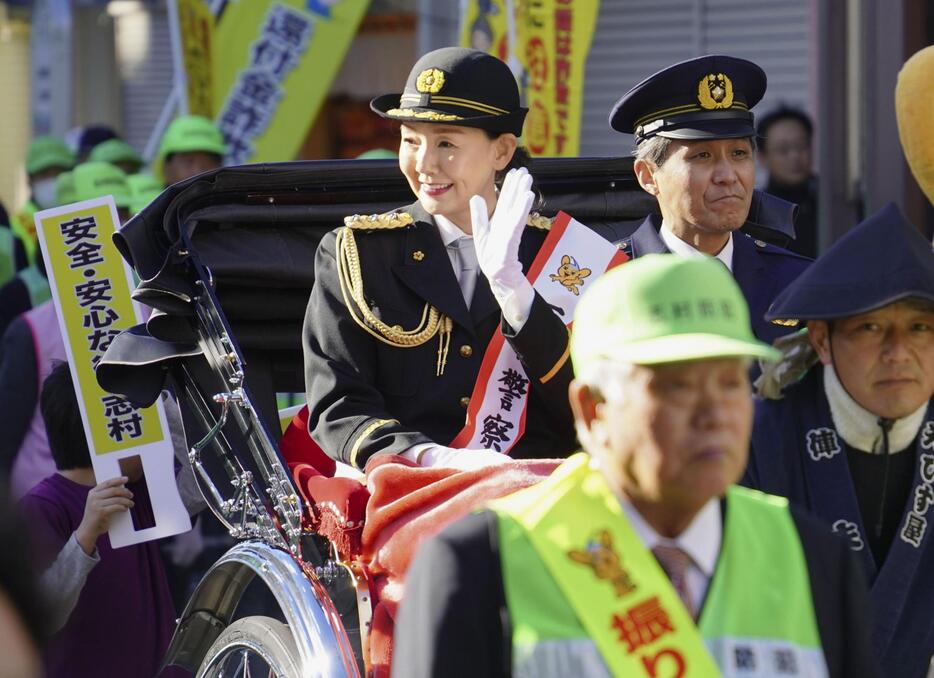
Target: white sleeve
61	584
516	304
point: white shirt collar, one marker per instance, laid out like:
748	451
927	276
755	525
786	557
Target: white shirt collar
678	246
449	230
701	540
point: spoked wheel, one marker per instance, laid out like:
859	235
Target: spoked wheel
253	647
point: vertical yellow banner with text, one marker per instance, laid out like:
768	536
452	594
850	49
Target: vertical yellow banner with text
274	67
91	289
546	43
485	26
196	30
553	40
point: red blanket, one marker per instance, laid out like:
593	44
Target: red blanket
409	504
403	504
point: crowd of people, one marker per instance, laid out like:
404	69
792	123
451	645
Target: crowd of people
699	525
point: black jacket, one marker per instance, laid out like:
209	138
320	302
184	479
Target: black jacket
354	381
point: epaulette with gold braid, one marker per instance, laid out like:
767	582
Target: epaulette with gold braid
536	220
374	222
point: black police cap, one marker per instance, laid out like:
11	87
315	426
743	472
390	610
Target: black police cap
457	86
882	260
709	97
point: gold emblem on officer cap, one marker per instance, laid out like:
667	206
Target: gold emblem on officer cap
430	81
715	90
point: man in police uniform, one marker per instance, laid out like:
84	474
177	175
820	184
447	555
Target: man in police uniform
853	440
694	134
560	579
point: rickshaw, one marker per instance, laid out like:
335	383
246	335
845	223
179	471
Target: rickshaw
225	262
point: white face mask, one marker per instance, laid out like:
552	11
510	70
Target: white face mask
43	193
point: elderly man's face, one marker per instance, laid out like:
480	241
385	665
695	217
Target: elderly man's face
884	358
675	434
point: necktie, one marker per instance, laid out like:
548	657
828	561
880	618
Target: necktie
675	563
465	266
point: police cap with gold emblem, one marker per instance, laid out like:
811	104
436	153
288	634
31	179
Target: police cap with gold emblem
457	86
709	97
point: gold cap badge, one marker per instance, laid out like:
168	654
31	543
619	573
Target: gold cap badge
430	81
715	90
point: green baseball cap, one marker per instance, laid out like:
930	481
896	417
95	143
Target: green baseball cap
143	190
664	308
187	134
114	151
97	179
65	189
48	151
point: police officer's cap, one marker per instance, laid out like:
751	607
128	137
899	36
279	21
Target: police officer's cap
879	262
457	86
709	97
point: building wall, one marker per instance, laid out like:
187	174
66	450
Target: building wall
635	38
15	130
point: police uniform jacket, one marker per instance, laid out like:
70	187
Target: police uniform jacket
367	397
761	270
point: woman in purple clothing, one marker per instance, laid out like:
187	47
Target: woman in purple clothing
113	614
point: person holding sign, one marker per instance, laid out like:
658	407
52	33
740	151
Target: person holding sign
639	556
851	439
423	317
112	613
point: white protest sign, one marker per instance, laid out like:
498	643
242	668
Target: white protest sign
91	286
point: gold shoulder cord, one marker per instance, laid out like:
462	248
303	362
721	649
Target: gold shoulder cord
536	220
350	277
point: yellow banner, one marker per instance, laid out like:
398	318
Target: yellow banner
91	287
553	39
485	26
551	43
196	30
275	64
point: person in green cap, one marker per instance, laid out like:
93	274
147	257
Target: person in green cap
191	145
143	190
46	158
33	343
118	153
640	556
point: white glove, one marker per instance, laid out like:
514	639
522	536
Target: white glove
497	244
461	459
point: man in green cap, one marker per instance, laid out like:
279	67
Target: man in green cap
33	342
640	557
46	158
191	145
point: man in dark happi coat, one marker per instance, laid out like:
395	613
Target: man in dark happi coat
695	152
853	440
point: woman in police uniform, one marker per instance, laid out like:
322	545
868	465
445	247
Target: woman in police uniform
404	303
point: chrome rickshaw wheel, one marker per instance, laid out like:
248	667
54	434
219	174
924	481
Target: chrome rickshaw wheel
253	647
